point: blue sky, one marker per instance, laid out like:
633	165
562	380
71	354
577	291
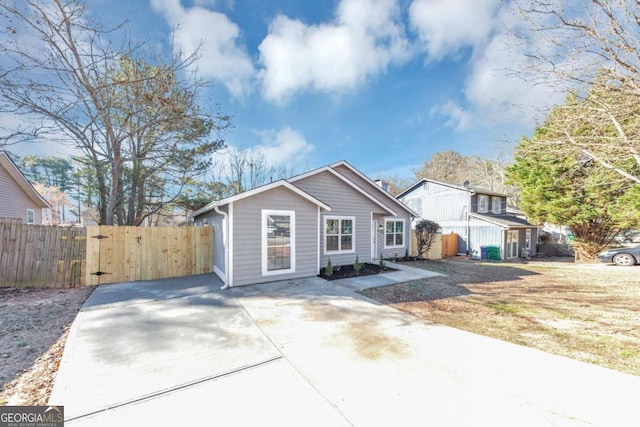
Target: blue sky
383	84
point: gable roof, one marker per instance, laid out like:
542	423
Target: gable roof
375	187
21	180
290	184
470	189
257	190
330	170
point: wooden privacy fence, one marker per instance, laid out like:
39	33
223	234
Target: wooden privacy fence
40	256
63	257
123	254
444	245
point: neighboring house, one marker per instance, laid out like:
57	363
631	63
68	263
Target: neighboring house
290	228
479	217
18	198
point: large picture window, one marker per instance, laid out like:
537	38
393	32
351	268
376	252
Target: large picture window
394	233
278	242
339	234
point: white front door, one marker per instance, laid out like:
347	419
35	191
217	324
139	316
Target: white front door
374	239
512	243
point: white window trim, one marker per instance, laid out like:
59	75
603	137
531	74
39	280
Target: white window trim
292	246
481	208
353	234
33	216
527	239
404	233
496	202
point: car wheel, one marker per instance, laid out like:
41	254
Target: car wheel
624	259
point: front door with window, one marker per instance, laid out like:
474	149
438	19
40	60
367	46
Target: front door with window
512	244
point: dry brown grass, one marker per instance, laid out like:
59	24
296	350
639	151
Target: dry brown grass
586	312
33	328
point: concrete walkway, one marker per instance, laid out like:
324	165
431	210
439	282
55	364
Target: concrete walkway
310	352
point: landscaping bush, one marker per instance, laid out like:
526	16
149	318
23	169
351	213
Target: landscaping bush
328	271
356	265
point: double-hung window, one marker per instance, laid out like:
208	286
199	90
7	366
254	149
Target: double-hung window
393	233
278	242
31	216
483	203
339	234
496	204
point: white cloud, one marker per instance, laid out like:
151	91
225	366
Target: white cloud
503	84
223	58
446	26
458	118
364	39
286	147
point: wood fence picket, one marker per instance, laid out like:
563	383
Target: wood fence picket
64	257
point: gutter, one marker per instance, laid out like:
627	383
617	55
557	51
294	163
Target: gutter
225	241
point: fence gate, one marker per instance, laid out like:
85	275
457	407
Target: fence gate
124	254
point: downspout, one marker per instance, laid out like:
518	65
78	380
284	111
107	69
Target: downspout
225	242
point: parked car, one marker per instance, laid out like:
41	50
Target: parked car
621	256
628	236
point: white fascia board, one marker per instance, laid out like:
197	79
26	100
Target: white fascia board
258	190
373	184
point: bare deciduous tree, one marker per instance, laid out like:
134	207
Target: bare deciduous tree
396	183
446	166
57	199
242	170
139	127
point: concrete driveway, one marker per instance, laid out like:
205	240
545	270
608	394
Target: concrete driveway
310	352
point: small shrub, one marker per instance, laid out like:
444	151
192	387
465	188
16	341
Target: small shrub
357	266
381	264
406	254
328	271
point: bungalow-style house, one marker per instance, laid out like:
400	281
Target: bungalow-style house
290	228
19	199
479	217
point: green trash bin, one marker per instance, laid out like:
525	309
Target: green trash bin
493	253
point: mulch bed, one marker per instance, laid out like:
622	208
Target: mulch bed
347	271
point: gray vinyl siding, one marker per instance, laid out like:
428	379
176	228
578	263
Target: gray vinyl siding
375	191
345	201
215	220
14	201
388	201
247	235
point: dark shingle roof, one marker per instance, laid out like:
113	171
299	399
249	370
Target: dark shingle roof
508	221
